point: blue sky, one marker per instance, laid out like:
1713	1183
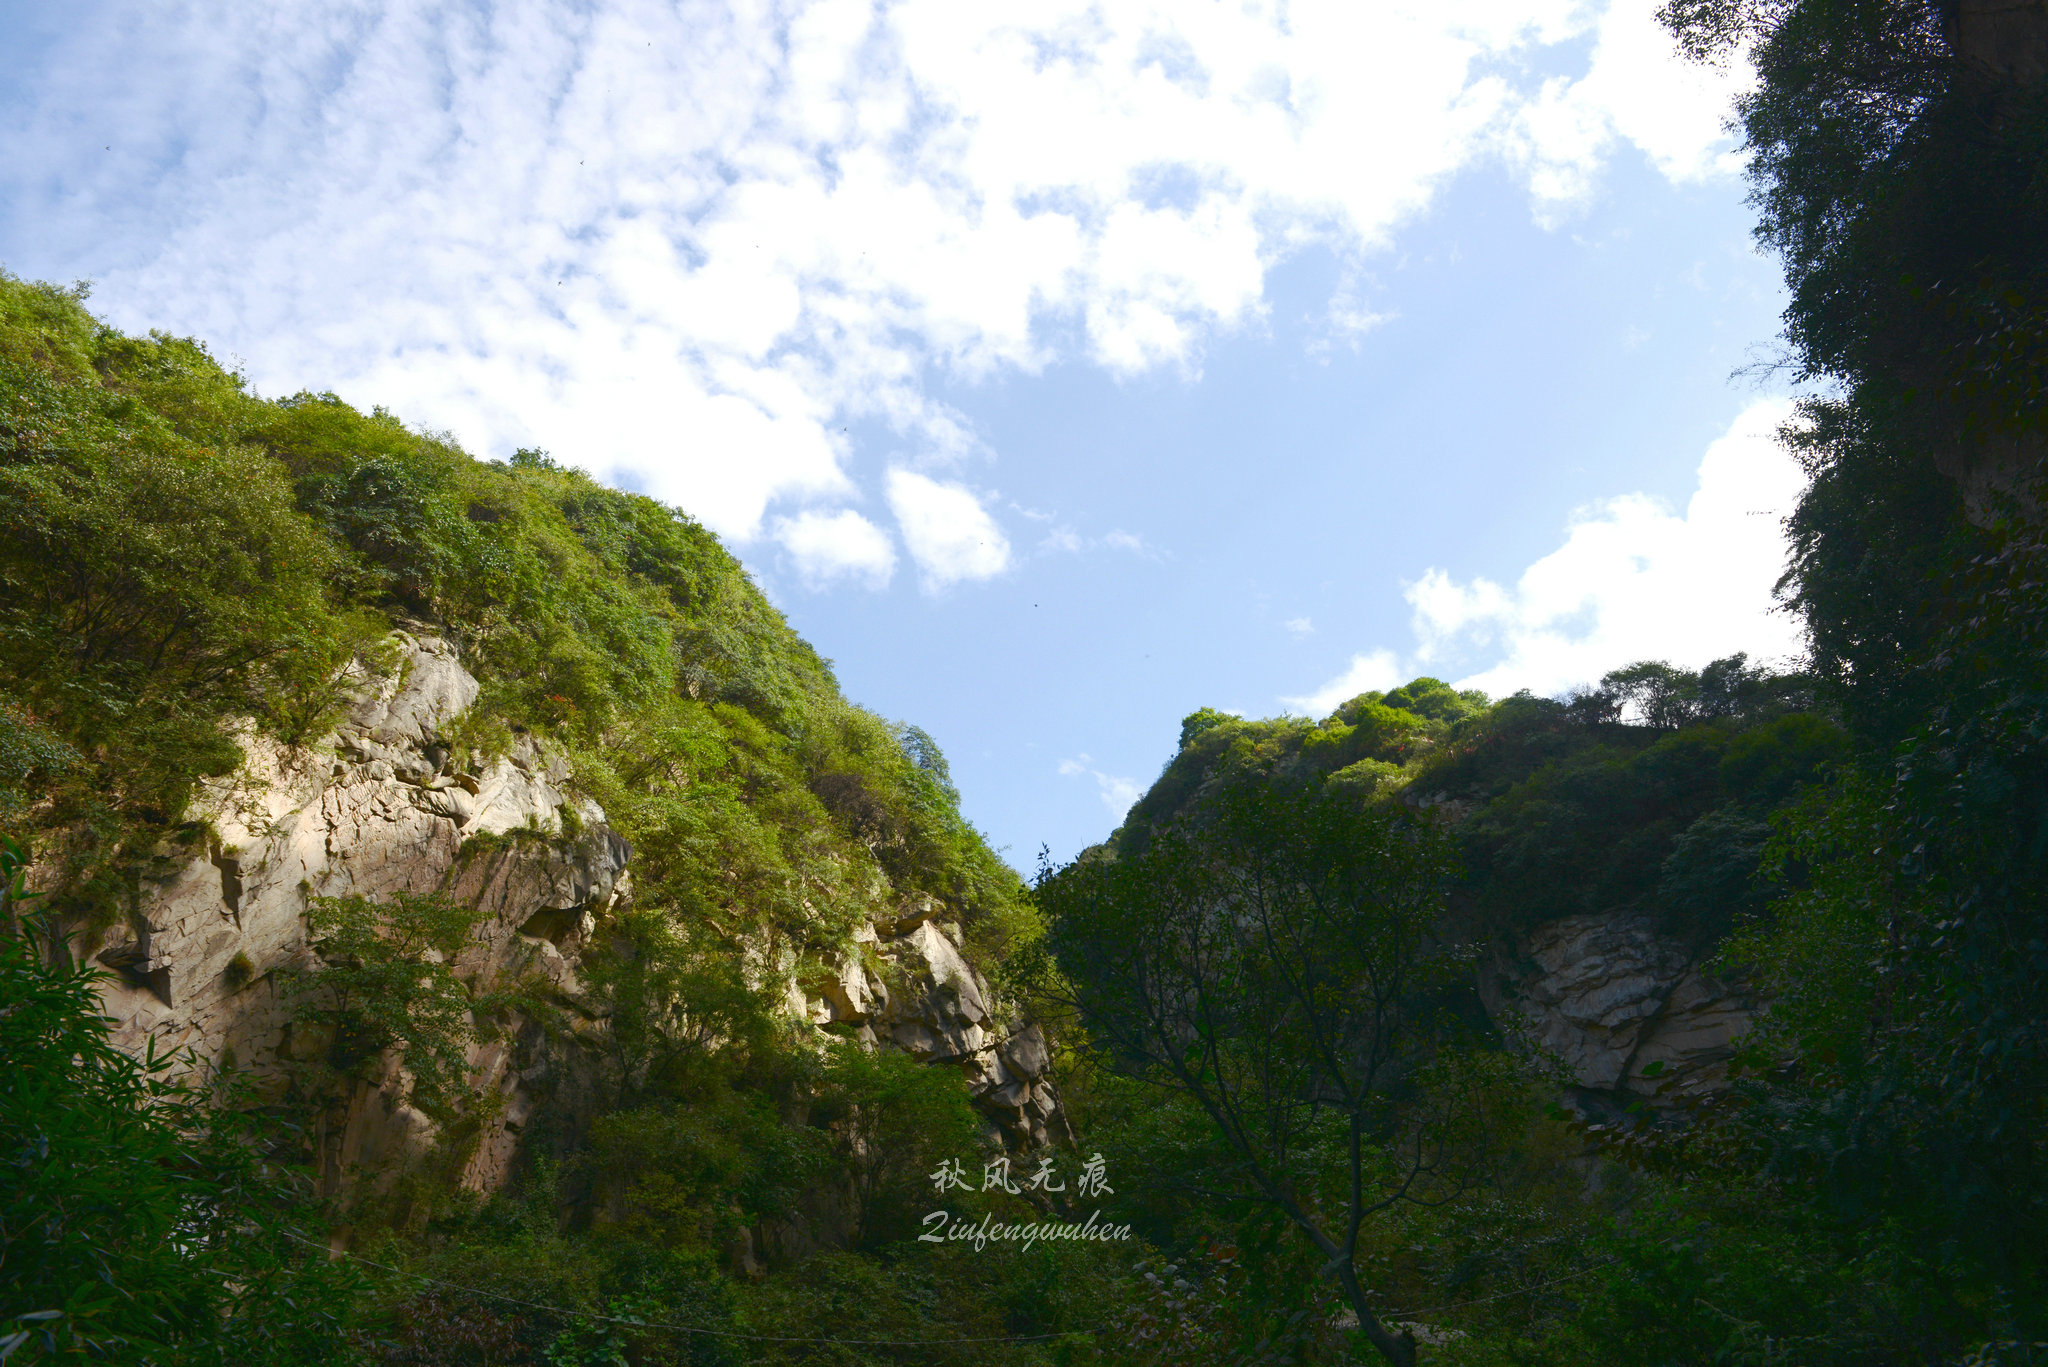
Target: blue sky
1059	368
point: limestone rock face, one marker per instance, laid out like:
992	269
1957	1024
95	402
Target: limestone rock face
1611	997
915	991
370	812
374	810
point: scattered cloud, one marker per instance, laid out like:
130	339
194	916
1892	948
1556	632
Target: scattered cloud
1636	580
1064	540
1117	793
1376	670
1131	544
688	244
1635	90
828	546
1299	627
1345	322
950	535
1633	580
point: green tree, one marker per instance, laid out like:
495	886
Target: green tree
1896	148
151	589
897	1120
140	1218
387	980
672	998
1271	957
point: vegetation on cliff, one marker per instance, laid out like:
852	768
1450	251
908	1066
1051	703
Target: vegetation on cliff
177	554
182	561
1653	796
141	1218
1866	840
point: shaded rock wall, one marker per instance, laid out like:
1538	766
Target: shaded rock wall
370	812
1613	999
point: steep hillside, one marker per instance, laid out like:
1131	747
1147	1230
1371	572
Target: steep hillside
181	556
547	932
1609	842
490	828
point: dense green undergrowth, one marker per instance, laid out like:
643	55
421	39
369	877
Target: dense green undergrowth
1869	843
1833	1206
1651	793
1657	794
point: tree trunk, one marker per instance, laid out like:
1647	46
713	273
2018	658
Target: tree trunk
1399	1349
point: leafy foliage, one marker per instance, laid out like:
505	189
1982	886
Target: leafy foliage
1268	958
387	981
1867	839
1889	1128
225	557
1898	148
900	1120
140	1220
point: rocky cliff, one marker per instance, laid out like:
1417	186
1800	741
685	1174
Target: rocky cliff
376	809
1630	1012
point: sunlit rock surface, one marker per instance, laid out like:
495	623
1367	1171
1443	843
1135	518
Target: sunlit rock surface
374	810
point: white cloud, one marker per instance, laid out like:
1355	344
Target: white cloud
1345	321
1117	793
1063	539
1299	626
1378	670
950	535
1633	580
684	244
844	544
1638	89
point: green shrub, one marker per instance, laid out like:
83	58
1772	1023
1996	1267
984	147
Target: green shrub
379	987
140	1218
